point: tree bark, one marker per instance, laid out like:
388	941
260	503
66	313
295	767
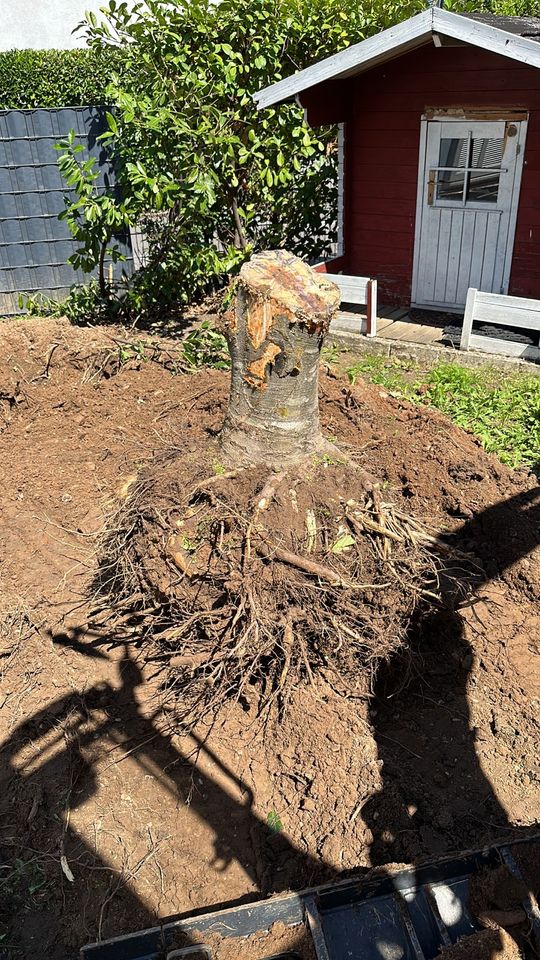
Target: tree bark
275	329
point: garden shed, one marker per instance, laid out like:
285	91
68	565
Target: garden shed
439	120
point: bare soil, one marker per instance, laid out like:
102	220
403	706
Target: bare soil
485	945
291	943
116	820
529	865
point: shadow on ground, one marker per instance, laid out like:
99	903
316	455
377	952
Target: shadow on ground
48	756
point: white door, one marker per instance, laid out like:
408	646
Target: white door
468	196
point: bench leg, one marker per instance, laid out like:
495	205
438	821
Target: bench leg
468	320
371	309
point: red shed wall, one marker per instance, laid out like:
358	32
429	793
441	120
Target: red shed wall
383	109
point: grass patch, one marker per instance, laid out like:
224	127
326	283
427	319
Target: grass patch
399	377
502	410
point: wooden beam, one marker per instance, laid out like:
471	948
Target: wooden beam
440	40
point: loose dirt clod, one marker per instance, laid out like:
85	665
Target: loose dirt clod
497	896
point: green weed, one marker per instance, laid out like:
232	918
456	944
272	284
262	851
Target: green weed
332	352
274	822
25	876
205	347
503	412
22	886
344	542
388	374
189	545
132	351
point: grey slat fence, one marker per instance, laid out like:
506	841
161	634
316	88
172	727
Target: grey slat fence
34	244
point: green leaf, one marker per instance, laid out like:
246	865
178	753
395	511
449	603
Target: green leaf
113	126
345	542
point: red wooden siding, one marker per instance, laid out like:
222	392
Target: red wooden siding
382	110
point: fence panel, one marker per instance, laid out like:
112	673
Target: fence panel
34	244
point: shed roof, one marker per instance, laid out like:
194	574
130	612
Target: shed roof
520	26
514	37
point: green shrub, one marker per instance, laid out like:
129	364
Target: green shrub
55	78
84	305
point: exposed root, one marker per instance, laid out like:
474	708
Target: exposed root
244	585
121	354
269	552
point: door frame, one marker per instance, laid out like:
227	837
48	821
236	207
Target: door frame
519	117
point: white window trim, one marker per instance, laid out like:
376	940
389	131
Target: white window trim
340	248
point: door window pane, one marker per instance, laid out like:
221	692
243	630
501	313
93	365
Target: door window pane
487	153
483	186
450	184
453	152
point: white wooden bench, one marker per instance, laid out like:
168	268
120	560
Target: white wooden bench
360	290
499	310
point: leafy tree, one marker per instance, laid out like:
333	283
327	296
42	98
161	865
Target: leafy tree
511	8
210	177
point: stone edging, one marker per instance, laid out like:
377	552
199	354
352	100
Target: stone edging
427	353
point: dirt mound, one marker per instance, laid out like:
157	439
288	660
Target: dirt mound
245	583
441	754
496	899
496	890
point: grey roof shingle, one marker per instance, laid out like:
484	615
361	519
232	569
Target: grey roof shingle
520	26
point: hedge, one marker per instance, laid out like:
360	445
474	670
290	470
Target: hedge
54	78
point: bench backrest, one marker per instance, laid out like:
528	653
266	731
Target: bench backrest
499	310
353	289
359	290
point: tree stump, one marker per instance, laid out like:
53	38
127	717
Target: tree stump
275	329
